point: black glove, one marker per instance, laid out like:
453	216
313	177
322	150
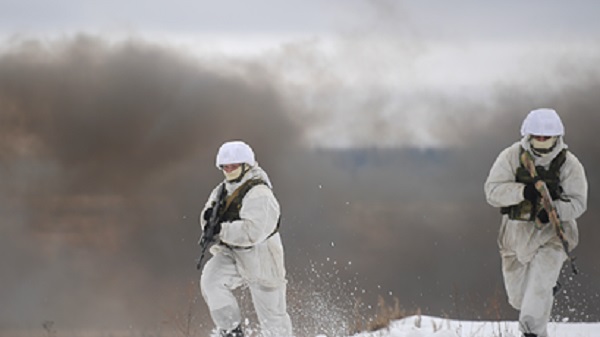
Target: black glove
531	193
207	214
543	216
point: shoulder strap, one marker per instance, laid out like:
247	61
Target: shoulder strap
558	161
241	191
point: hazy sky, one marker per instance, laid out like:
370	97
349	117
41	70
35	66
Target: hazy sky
399	45
249	26
508	19
111	114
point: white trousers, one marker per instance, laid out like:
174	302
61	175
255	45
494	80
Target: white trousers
220	277
529	286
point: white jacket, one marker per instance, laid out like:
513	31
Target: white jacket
501	189
261	260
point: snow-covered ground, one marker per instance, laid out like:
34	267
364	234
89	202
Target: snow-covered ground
426	326
412	326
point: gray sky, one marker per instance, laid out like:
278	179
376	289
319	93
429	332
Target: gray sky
414	43
112	113
504	19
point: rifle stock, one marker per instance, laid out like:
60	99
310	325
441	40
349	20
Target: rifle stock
540	185
208	233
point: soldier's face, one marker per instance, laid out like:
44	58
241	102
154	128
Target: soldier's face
543	144
230	167
232	171
540	138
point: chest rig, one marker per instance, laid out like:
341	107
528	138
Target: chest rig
525	210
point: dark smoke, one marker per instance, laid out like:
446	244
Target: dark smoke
107	154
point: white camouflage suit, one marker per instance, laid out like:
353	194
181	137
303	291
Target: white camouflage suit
258	265
532	258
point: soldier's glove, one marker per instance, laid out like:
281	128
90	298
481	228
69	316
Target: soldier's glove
207	213
543	216
530	192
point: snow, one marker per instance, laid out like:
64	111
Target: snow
323	305
427	326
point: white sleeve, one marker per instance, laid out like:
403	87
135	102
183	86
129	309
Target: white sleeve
500	187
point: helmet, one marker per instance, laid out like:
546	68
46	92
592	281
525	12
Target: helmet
542	122
235	152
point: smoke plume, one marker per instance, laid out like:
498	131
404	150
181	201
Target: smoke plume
107	156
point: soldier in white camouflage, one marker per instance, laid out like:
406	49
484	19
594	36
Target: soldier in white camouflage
532	252
248	251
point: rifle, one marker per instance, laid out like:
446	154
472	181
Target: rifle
208	234
540	185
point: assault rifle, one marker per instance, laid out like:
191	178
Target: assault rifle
540	185
208	233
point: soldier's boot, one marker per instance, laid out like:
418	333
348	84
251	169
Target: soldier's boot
237	332
556	288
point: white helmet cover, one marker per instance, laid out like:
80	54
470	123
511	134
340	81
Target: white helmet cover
542	122
235	152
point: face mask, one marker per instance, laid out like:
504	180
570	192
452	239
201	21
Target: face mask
543	146
235	174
